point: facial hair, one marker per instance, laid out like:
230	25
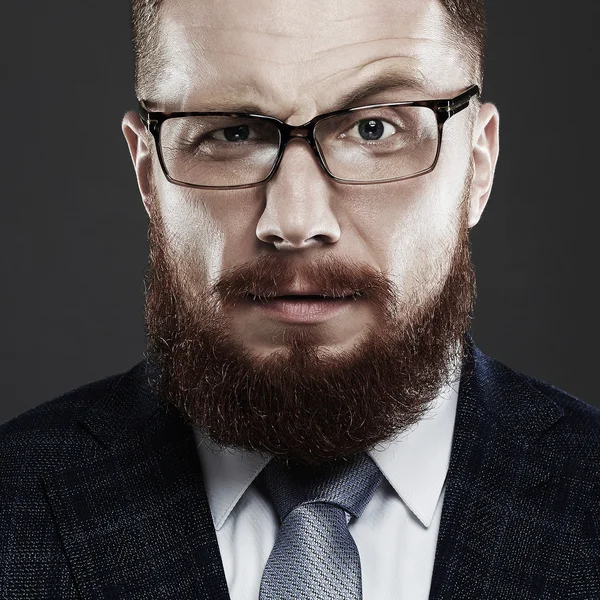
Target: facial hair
300	403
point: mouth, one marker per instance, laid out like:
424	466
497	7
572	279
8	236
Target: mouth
301	308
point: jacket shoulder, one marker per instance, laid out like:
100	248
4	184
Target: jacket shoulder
35	439
34	445
577	432
579	416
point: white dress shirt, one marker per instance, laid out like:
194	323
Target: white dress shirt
396	535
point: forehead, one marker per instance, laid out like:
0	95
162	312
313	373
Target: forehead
296	58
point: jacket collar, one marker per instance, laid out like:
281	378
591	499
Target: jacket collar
133	515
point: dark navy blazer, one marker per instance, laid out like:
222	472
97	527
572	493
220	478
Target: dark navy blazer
101	496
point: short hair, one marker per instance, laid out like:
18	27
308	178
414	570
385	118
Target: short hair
467	20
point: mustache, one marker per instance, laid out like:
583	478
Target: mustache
268	275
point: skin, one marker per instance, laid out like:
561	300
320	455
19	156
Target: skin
294	61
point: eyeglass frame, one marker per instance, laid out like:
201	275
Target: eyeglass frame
443	110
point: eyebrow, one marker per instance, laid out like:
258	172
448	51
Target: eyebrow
382	82
379	83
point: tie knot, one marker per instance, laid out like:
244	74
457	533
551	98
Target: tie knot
349	484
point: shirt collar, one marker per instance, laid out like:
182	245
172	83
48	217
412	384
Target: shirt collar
415	463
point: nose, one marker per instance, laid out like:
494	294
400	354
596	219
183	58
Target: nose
299	211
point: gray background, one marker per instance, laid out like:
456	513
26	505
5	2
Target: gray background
73	229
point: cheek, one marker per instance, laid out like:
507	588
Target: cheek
408	227
194	237
417	243
208	231
397	217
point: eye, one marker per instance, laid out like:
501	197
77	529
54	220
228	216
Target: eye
372	130
239	133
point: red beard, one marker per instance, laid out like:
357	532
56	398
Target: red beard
296	403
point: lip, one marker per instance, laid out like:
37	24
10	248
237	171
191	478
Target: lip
307	291
297	308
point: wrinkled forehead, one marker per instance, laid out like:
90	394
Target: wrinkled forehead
295	59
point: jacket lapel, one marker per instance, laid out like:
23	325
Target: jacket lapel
133	515
494	467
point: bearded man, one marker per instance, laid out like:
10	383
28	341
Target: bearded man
312	419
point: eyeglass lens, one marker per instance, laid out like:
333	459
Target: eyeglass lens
373	144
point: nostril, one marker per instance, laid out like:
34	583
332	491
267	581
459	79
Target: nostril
271	239
289	244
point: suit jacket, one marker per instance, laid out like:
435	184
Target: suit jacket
102	496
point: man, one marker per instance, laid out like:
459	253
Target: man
311	418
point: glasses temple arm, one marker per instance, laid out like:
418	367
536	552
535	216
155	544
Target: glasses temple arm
145	115
460	102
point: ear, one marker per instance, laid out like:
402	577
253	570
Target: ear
484	157
137	138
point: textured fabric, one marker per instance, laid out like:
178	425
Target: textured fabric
396	535
101	497
315	557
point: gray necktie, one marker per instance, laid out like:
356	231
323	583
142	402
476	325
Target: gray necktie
315	557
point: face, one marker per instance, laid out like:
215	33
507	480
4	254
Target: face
396	253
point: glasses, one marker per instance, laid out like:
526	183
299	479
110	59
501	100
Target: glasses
367	144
